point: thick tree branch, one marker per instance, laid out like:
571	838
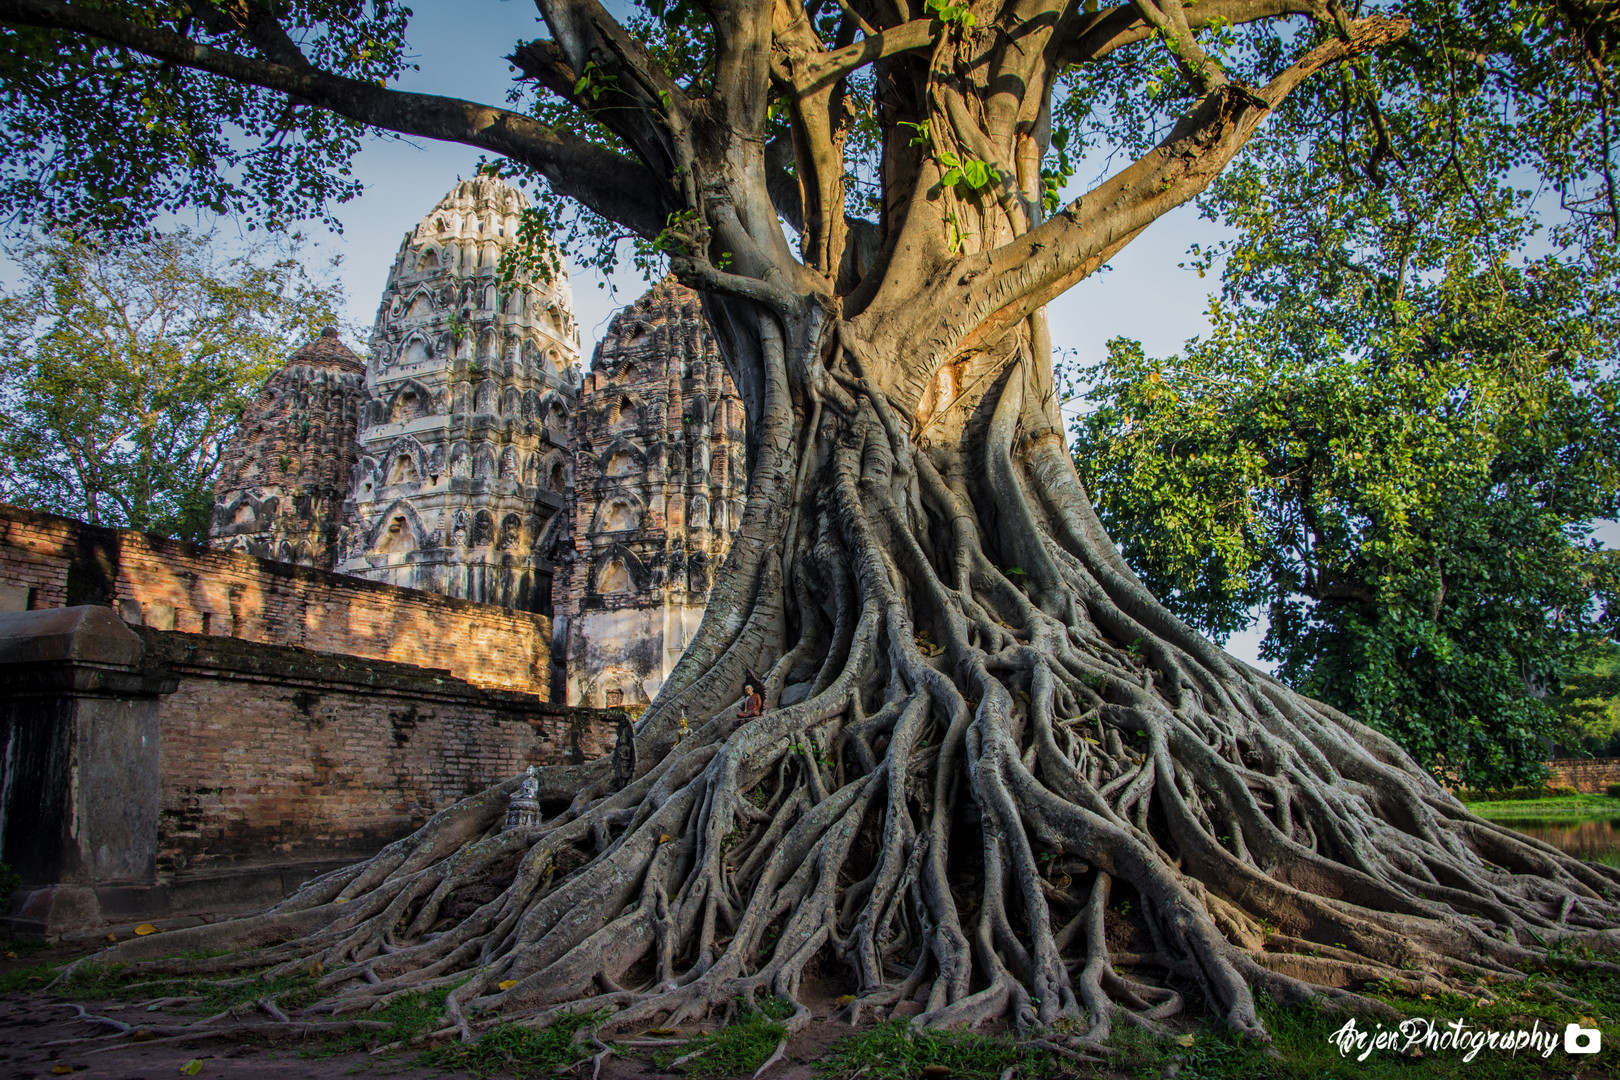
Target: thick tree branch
819	127
1097	35
1021	277
814	70
610	184
255	23
628	92
1199	69
647	126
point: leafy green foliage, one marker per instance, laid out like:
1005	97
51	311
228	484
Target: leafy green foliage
737	1048
1404	481
951	14
124	369
969	173
1590	702
517	1051
105	140
894	1050
1405	420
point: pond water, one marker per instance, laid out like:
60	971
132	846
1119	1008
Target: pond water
1596	839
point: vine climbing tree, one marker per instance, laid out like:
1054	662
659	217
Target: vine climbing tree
997	733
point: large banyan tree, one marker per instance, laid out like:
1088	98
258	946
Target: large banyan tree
996	777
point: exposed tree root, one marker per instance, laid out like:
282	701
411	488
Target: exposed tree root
1011	785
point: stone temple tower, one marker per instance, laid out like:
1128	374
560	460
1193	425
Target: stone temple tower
659	493
284	475
464	437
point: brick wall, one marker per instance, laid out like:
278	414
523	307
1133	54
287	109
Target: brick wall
170	585
1583	774
273	754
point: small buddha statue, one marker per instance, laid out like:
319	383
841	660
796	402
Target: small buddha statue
523	809
753	705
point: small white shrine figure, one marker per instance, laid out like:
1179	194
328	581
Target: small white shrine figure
523	810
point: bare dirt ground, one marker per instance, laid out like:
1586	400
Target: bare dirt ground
32	1029
41	1036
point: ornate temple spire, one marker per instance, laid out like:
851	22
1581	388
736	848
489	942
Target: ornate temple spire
284	475
471	389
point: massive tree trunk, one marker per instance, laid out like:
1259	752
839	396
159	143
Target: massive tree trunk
1002	753
990	752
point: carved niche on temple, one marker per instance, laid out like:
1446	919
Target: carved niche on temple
659	490
464	456
283	478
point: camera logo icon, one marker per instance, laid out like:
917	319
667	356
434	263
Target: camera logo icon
1582	1040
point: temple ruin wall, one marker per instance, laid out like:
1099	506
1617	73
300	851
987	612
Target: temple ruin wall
274	754
48	561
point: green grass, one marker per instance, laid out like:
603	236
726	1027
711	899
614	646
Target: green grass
23	980
1304	1050
108	982
896	1051
1598	806
1301	1047
407	1017
736	1049
512	1050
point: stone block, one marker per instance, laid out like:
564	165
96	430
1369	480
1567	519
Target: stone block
88	634
53	909
79	720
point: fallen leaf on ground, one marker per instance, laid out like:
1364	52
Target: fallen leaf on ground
142	1035
661	1033
192	1067
1185	1040
846	1001
507	985
61	1070
146	928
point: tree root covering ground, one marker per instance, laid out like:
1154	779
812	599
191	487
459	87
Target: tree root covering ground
1008	786
71	1028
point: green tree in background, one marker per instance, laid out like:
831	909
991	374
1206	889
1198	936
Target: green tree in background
1404	421
123	371
1590	702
